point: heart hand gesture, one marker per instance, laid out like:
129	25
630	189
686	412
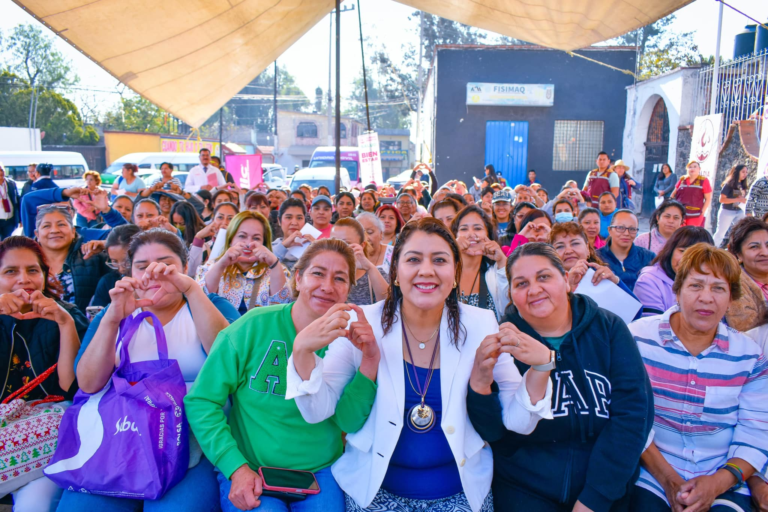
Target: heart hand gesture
323	331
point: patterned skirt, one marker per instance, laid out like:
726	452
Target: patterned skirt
388	502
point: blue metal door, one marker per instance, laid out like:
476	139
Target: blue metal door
506	147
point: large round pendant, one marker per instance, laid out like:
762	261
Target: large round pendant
422	418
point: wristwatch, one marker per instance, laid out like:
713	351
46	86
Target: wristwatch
548	366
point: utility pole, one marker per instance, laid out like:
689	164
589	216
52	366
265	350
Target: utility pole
330	64
221	134
274	145
337	181
418	102
716	69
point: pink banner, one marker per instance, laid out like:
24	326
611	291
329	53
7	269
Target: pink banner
245	169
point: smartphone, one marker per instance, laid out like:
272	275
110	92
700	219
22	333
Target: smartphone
288	480
92	311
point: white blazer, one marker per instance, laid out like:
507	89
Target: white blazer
498	286
361	469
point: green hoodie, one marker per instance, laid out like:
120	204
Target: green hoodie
248	361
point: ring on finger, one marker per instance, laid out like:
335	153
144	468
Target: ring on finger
518	343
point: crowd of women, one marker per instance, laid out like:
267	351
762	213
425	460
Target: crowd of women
430	351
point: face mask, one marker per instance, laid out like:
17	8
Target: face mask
180	228
564	217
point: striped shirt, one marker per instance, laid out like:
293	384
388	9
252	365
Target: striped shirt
709	408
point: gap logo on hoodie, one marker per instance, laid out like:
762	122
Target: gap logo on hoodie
568	396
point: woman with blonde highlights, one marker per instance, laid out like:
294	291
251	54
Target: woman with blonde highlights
247	273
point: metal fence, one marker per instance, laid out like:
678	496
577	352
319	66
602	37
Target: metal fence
742	90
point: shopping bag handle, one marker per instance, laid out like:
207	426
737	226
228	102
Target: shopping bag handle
31	384
130	330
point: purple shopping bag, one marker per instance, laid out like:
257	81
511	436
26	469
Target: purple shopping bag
131	439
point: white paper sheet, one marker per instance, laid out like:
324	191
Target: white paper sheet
609	296
218	245
308	229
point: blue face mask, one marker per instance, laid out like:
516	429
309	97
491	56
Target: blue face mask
564	217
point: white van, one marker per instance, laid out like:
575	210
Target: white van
150	162
318	177
68	166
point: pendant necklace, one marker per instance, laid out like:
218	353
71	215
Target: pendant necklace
421	417
422	344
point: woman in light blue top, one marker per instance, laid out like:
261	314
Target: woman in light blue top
665	182
128	184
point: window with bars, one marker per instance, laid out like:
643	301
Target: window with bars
577	144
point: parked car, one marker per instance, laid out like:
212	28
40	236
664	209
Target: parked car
320	176
149	162
68	166
274	175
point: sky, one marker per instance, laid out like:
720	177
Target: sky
386	22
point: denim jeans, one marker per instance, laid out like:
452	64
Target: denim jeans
330	498
197	492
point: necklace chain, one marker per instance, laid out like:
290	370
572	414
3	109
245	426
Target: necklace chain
430	336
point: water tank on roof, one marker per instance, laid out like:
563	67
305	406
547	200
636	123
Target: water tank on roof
761	39
744	42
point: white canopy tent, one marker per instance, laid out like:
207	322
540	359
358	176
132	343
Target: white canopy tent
161	49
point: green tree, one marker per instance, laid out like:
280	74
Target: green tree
59	118
660	49
137	114
31	55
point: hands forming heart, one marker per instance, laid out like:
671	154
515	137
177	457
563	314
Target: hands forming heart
26	305
157	281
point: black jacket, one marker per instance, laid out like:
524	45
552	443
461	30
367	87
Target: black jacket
14	199
602	404
43	347
85	273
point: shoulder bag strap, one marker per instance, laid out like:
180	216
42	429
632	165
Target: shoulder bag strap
255	290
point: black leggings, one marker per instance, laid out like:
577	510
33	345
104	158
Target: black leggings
644	500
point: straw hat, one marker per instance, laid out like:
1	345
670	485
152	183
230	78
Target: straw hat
620	163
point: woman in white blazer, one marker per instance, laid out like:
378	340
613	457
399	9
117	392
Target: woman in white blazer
484	279
417	449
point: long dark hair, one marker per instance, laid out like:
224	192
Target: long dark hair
192	221
473	208
732	178
52	288
430	226
683	237
658	212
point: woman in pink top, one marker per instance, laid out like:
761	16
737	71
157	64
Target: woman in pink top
666	219
589	219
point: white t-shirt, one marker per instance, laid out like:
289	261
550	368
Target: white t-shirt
198	177
184	345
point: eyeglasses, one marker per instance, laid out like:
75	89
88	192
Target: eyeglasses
113	265
622	229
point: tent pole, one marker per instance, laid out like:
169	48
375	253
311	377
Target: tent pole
716	69
337	181
420	83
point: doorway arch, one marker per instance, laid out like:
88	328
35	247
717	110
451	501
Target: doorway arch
656	152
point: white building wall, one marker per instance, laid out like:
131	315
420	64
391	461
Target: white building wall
676	88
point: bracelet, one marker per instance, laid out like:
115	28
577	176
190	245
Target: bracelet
274	264
736	472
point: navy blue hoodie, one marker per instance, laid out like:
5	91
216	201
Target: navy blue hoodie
602	404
